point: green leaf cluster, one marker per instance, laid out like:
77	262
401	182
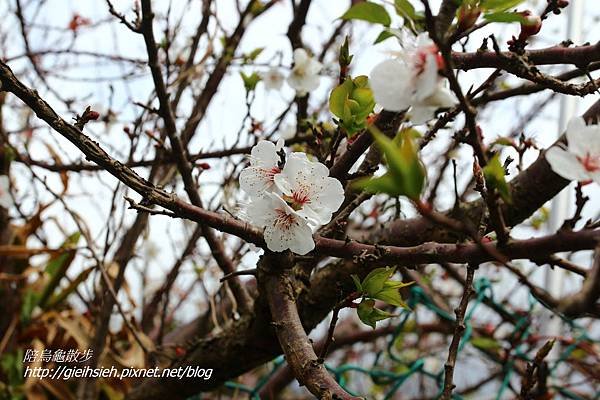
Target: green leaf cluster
406	173
378	285
352	102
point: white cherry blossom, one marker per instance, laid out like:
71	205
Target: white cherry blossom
289	202
284	227
273	79
304	76
580	159
5	199
308	189
412	79
264	165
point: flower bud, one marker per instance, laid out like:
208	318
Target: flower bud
530	26
93	115
467	16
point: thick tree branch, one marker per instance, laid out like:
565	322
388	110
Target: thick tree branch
277	283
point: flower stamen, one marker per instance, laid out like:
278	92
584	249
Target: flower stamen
590	163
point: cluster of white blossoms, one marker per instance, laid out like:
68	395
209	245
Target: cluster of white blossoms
5	199
580	159
290	196
304	76
412	79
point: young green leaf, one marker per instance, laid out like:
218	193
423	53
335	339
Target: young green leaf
369	12
250	81
345	58
384	35
485	343
352	102
406	173
369	314
254	54
499	5
505	17
391	295
495	179
375	280
405	9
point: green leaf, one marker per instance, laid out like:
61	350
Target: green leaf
386	183
540	218
369	314
250	81
495	178
384	35
405	9
391	296
505	17
499	5
485	343
504	141
29	302
377	285
369	12
338	98
254	53
375	280
406	173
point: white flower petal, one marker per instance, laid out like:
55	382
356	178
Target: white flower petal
423	40
583	139
420	114
595	176
300	57
5	198
427	80
313	67
390	82
329	198
260	212
442	97
286	229
257	180
258	177
565	164
264	154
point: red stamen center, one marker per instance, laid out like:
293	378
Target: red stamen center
270	173
283	219
590	163
422	54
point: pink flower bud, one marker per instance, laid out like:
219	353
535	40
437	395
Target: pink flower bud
530	26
